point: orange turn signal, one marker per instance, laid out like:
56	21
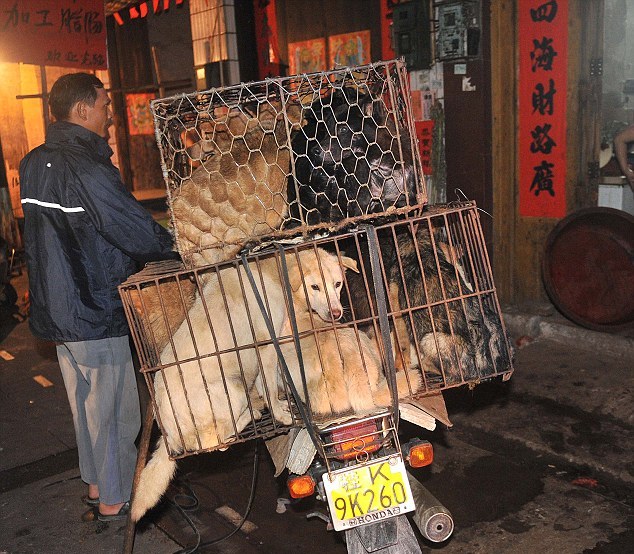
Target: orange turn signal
420	454
301	486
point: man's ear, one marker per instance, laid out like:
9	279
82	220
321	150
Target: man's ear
349	263
80	110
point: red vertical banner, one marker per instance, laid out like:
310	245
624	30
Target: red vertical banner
387	8
543	51
266	38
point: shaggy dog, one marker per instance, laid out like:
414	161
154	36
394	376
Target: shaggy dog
456	339
439	324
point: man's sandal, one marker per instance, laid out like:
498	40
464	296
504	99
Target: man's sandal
94	515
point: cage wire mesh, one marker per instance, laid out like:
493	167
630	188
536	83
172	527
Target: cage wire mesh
210	360
285	156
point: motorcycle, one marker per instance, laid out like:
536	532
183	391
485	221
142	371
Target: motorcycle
361	475
357	466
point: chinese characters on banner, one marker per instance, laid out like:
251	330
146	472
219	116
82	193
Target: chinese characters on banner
63	33
543	50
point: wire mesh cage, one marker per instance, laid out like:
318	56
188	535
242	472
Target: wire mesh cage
322	330
287	155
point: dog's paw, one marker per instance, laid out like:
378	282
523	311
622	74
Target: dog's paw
282	414
415	383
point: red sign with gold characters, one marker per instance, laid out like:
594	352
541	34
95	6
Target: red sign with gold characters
543	50
67	33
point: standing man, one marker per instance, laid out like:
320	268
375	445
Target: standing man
84	234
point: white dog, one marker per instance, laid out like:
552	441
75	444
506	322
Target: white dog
214	367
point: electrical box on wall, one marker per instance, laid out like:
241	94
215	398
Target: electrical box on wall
458	31
411	33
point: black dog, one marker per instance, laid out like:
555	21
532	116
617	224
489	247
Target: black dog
350	159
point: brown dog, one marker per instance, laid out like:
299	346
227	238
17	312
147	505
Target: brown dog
239	190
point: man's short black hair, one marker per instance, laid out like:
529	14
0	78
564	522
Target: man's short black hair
70	89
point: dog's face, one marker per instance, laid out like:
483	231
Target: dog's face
319	279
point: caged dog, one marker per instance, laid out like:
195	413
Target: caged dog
343	367
227	374
351	159
237	189
449	339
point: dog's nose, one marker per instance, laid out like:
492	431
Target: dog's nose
336	313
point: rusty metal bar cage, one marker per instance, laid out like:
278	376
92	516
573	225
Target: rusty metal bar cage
288	155
212	365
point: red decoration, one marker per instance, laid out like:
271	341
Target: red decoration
143	9
266	39
387	52
140	120
543	50
424	134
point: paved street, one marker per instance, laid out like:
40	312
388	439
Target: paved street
542	463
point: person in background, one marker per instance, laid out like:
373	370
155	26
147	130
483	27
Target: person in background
621	141
84	234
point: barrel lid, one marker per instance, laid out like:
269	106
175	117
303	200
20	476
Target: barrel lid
588	268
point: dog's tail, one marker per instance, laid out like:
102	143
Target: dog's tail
154	480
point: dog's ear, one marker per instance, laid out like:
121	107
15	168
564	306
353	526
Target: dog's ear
294	275
349	263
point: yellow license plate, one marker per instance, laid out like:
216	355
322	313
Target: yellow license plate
369	493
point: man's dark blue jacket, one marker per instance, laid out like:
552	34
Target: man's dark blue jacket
84	234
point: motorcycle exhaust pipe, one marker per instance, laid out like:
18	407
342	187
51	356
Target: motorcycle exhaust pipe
433	520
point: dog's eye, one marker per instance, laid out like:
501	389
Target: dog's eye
314	287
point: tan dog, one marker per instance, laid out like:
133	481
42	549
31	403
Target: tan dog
342	365
237	190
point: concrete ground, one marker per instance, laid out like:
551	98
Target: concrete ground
572	404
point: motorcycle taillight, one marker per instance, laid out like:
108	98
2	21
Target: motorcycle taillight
359	439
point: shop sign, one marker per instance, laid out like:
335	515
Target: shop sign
66	33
